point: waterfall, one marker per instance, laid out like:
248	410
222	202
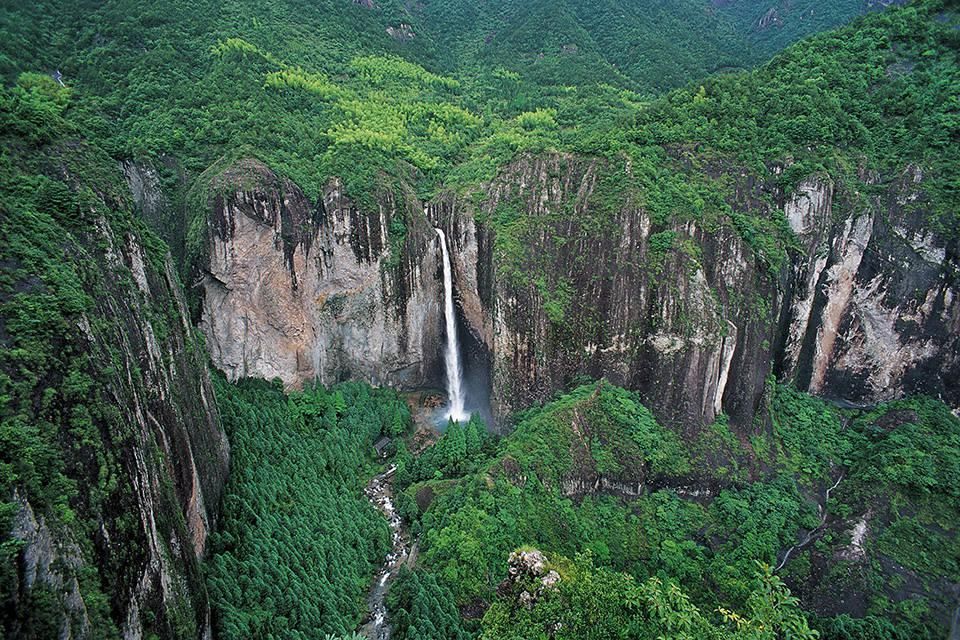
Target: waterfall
452	355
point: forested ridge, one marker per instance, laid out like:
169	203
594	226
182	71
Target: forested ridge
94	352
697	562
349	102
588	517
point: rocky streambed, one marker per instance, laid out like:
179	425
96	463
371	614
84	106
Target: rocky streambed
380	493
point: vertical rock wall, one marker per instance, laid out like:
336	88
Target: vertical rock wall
141	444
326	291
587	285
587	302
866	310
873	301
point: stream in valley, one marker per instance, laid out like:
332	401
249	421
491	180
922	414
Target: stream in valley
814	533
822	513
380	493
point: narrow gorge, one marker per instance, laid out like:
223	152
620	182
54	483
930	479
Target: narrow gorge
509	320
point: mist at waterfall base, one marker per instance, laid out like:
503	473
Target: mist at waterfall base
466	361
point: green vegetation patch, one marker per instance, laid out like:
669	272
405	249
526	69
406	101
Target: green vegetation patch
299	542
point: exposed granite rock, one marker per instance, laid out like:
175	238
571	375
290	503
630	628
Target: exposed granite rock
874	310
770	19
53	560
303	291
470	259
152	201
401	33
529	576
647	321
148	196
152	463
867	309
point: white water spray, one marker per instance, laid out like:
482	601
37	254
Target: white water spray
452	356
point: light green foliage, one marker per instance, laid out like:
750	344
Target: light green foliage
838	91
36	105
596	603
299	541
391	70
556	300
318	89
710	547
479	85
812	433
299	79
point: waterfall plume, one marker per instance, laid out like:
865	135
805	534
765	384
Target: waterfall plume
455	410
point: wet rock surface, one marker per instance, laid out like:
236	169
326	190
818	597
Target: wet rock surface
151	466
864	310
380	493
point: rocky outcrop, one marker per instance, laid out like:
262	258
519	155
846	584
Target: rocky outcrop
177	458
624	302
770	19
686	313
866	309
402	33
50	561
154	186
302	291
147	192
529	577
873	297
138	448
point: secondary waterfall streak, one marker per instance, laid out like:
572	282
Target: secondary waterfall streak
452	355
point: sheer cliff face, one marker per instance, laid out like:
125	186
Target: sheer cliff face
866	310
325	291
135	424
871	304
588	301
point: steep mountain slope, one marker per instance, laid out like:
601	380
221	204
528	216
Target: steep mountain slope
796	220
820	499
799	221
687	312
150	80
763	199
771	26
339	296
649	47
112	454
